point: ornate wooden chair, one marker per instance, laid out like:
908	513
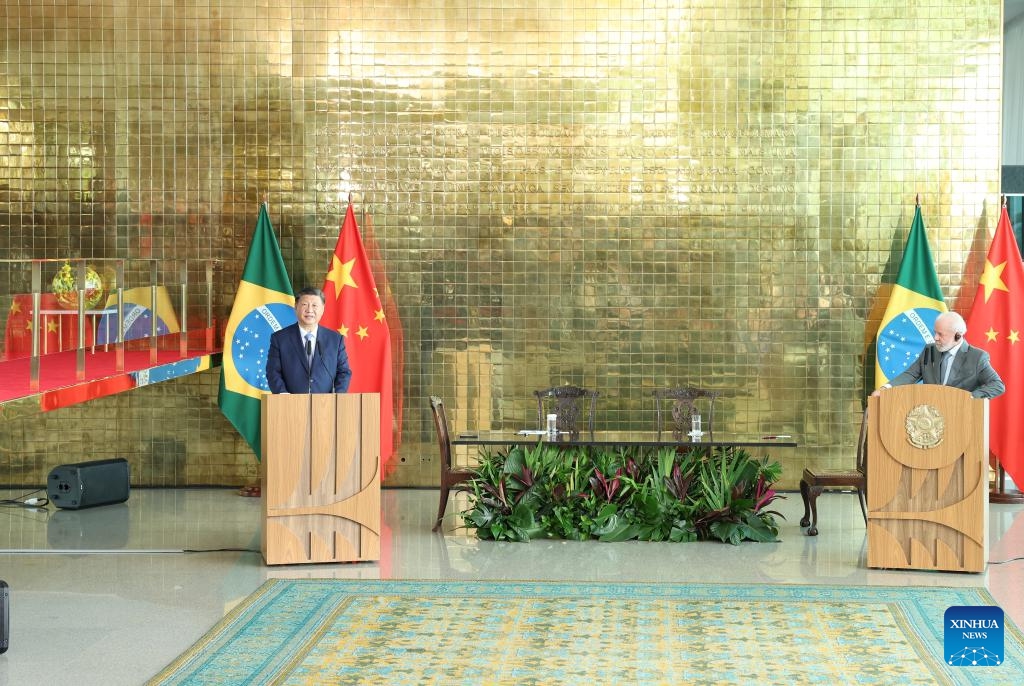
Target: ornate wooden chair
571	403
449	477
814	481
674	408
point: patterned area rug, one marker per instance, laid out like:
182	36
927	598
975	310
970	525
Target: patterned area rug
314	632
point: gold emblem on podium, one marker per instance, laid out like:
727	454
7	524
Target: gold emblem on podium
925	426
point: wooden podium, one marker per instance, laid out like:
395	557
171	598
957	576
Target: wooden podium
927	476
321	478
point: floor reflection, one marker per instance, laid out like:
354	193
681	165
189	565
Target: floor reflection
120	573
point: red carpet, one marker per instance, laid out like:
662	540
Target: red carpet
59	385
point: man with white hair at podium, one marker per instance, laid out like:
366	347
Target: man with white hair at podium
952	361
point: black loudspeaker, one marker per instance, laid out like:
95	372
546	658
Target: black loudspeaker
87	484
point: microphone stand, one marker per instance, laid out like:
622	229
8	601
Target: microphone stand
309	364
319	353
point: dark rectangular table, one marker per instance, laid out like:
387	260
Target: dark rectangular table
621	438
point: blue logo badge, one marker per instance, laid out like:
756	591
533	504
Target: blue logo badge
973	636
904	338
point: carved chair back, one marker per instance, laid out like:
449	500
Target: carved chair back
574	405
674	408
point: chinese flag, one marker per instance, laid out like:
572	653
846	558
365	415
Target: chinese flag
354	309
58	327
997	322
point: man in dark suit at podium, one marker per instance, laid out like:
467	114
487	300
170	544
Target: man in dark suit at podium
306	357
951	361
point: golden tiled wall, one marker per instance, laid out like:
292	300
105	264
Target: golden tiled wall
616	194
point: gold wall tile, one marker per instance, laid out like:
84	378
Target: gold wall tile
620	195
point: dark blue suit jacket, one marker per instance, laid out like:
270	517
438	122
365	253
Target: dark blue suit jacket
288	371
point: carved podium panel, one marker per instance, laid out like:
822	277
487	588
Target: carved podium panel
927	475
321	478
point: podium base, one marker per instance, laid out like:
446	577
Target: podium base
1002	495
1005	497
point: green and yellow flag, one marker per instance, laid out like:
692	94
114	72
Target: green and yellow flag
264	303
915	303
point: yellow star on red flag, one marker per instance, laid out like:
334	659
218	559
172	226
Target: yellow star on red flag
341	274
992	278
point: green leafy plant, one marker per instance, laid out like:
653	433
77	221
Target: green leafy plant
731	498
582	493
503	506
572	504
661	505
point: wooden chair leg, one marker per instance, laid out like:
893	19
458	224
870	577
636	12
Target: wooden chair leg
441	507
812	500
806	519
863	498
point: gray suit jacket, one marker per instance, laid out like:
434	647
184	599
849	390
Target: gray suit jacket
972	371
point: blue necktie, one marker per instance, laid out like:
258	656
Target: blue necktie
309	349
944	367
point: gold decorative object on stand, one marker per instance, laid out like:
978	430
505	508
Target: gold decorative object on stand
65	287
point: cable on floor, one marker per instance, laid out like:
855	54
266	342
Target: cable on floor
24	500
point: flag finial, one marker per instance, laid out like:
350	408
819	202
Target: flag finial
1004	201
917	200
350	197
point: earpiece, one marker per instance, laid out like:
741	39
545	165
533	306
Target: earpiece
957	337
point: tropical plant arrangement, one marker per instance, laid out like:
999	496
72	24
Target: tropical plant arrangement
582	493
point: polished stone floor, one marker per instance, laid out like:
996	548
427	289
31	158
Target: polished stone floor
112	594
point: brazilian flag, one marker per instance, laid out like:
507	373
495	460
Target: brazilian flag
915	303
264	303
